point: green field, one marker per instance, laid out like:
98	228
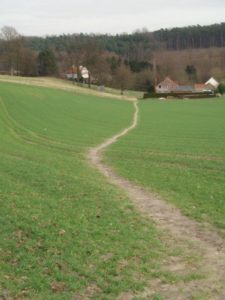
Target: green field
65	232
69	85
68	234
178	150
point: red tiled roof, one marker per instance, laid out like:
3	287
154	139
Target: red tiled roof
72	70
200	86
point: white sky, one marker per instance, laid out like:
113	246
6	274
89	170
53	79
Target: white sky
45	17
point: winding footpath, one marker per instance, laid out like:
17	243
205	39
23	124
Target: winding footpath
180	229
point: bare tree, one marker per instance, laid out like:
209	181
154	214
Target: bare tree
12	44
123	78
96	62
76	51
9	33
28	62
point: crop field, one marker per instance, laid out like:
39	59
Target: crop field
178	151
65	232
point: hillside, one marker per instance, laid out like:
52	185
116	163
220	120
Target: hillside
68	233
65	232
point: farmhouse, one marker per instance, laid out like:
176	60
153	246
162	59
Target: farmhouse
72	73
166	86
170	86
204	87
209	86
213	83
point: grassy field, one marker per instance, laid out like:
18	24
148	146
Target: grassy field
178	150
68	85
65	232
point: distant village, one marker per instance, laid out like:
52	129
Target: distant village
167	87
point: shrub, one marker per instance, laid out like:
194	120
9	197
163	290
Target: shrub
221	88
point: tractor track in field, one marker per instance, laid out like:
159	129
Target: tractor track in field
203	237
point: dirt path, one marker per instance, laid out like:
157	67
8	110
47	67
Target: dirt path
202	237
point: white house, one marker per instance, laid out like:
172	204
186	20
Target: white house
84	72
212	82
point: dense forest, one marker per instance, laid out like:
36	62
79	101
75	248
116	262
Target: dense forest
189	54
191	37
125	44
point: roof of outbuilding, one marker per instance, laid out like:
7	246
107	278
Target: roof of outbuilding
213	82
200	85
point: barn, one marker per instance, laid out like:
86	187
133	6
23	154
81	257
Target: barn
166	86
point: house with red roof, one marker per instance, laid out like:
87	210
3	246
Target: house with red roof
170	86
72	73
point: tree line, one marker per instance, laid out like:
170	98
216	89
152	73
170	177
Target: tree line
191	37
135	61
133	45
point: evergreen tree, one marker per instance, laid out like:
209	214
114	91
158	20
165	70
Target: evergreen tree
149	86
191	72
46	63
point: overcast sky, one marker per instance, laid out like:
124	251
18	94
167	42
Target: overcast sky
45	17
